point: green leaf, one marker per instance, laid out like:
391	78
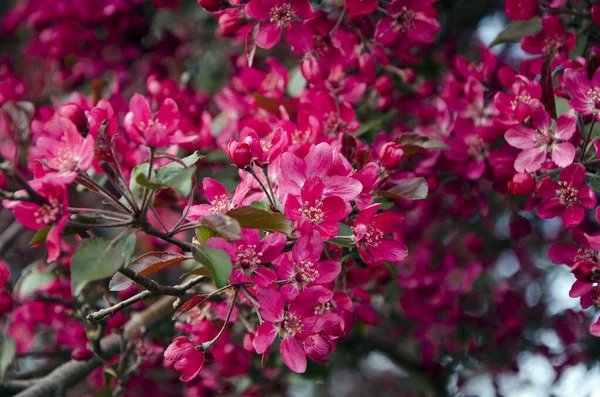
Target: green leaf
595	184
345	237
34	281
516	30
8	350
261	205
134	186
296	82
216	261
40	236
373	123
142	180
94	259
203	233
255	218
127	248
412	189
177	177
223	225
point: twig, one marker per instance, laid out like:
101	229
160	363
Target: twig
207	345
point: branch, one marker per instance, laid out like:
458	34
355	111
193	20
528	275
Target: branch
152	289
73	372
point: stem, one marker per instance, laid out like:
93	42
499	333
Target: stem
99	225
266	173
586	143
250	170
207	345
187	247
94	186
185	211
146	197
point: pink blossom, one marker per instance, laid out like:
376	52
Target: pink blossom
71	153
251	254
369	234
183	356
277	16
538	140
218	198
144	128
414	19
303	266
568	197
586	93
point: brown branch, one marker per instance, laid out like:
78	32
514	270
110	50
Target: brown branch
73	372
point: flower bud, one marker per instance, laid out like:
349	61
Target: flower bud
313	70
384	85
239	153
81	354
522	184
74	113
210	5
390	155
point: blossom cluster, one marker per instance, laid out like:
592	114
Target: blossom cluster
304	206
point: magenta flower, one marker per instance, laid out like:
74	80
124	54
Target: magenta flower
71	153
277	15
322	161
303	267
552	37
295	325
4	274
53	212
250	254
415	19
154	131
586	93
568	197
218	198
369	231
311	210
517	102
536	142
182	356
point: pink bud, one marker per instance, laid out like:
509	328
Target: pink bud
522	184
74	113
390	155
81	354
210	5
313	70
239	153
384	85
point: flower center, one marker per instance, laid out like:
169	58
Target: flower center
551	43
567	194
475	145
300	136
523	98
292	324
331	121
373	236
322	309
406	19
281	14
475	67
594	94
48	213
220	204
544	137
584	254
312	212
307	272
247	256
64	159
151	123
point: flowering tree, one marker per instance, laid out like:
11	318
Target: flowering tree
194	205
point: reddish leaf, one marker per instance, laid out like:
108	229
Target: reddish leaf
18	117
251	43
413	143
272	105
412	189
144	265
189	305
